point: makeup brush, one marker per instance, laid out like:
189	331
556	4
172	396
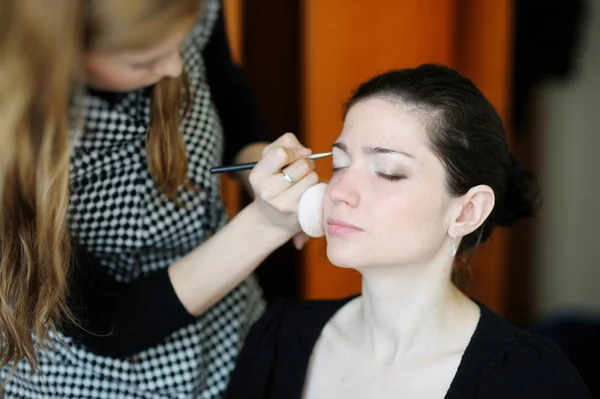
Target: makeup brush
250	165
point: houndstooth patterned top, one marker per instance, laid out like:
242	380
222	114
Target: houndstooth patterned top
119	220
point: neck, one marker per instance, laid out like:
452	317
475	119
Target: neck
407	311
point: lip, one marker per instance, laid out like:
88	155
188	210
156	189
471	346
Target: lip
337	227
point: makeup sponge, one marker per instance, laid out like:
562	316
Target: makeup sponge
310	210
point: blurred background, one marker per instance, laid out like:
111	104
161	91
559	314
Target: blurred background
538	61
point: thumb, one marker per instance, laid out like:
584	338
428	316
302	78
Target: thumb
299	240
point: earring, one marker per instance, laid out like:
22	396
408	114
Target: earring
453	248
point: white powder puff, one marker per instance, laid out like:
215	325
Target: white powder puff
310	210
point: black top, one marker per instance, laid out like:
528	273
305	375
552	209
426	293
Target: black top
121	319
501	361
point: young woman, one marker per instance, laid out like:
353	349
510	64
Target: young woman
116	251
422	174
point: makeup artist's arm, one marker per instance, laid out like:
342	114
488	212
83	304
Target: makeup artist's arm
120	319
244	128
199	279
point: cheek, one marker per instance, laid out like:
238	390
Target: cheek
411	218
110	76
327	205
396	215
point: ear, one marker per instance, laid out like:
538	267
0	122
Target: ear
474	208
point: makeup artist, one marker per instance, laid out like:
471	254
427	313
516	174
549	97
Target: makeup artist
116	253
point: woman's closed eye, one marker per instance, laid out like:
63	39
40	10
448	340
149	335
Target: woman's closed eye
391	176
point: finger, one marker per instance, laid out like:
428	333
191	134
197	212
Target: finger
288	140
270	164
288	200
300	240
276	184
299	168
277	158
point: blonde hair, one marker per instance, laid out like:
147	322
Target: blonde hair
41	53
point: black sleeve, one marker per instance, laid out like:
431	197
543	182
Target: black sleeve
254	367
237	108
121	319
533	367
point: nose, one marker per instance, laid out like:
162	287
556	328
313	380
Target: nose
171	66
343	189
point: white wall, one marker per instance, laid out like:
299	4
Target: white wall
568	255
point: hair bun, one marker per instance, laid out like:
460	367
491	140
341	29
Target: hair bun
522	198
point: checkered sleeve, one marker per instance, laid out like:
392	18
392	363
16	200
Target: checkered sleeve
120	319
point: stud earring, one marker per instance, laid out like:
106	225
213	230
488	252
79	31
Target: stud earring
453	246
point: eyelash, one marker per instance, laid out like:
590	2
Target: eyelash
392	178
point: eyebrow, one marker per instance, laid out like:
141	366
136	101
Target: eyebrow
372	150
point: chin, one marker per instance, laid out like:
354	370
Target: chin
130	88
342	256
120	87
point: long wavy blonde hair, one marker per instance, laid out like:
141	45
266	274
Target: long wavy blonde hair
41	50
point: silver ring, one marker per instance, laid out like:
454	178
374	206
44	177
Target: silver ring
288	178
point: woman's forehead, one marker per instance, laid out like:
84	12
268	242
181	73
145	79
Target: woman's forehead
374	122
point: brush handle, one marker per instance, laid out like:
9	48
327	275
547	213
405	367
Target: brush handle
250	165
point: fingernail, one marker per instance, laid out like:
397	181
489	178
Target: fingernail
304	152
